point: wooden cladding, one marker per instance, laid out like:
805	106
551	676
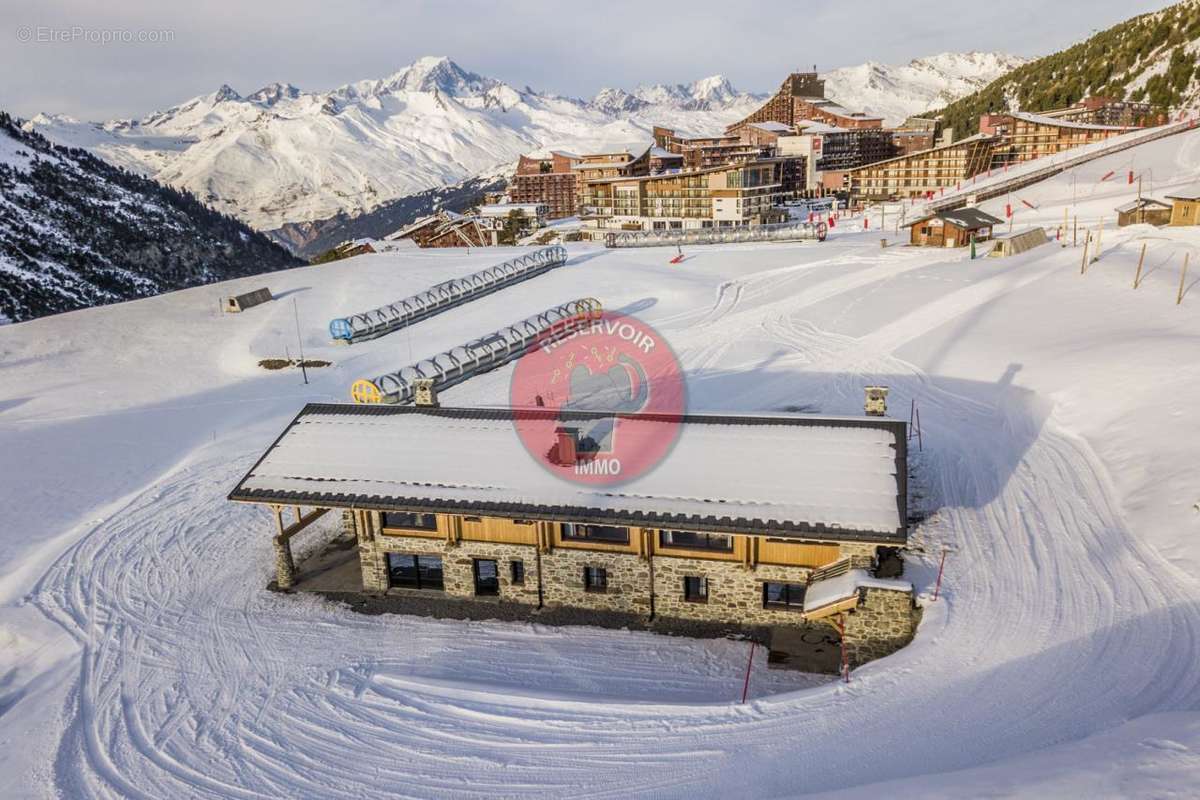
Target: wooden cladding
796	554
749	550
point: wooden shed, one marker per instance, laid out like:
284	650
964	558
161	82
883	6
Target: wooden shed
952	228
1010	244
240	302
1185	205
1144	210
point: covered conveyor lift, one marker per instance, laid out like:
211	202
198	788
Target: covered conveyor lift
479	355
444	296
782	232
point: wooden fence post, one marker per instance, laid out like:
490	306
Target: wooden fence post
1182	278
1083	264
1138	277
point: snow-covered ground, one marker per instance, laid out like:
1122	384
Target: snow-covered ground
142	656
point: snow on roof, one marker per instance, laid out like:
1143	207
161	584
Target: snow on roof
1191	192
1134	205
503	209
820	477
1040	119
846	585
771	126
813	126
962	217
658	152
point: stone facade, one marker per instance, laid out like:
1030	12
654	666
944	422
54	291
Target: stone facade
734	590
457	564
628	580
882	623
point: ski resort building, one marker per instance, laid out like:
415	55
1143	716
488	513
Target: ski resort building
1185	205
923	173
778	520
549	180
1143	210
747	193
952	228
1107	111
1024	137
444	229
802	96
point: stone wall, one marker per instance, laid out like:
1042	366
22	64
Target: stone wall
734	591
457	563
628	580
847	549
883	622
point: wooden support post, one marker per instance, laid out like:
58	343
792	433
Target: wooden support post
285	566
1137	278
1064	227
1083	263
1099	239
1075	233
1182	278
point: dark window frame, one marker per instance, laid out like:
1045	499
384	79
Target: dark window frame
516	571
421	521
421	572
788	590
595	579
493	589
707	538
577	532
695	588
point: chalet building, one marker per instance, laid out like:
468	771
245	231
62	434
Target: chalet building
354	247
1107	111
923	173
786	526
953	228
550	181
1024	137
802	96
444	229
743	193
1185	205
1144	210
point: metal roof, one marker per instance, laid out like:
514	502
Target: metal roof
805	476
966	218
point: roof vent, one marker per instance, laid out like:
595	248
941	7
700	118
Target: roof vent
424	393
876	405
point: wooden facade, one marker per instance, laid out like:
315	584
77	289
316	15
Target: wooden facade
952	228
923	173
1185	207
1144	211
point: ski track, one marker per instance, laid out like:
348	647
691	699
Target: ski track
1055	623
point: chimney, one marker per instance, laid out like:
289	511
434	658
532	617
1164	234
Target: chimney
876	405
566	442
424	393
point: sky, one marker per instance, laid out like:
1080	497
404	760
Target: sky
126	58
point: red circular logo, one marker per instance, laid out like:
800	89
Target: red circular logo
579	387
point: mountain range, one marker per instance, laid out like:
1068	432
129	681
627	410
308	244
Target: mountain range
78	232
285	155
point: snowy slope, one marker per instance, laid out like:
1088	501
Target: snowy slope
899	91
143	658
76	232
283	155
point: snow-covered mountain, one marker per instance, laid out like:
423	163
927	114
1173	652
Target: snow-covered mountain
75	232
900	91
282	154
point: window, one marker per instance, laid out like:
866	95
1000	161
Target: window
405	519
518	571
595	579
695	589
487	577
415	572
783	595
609	534
696	541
